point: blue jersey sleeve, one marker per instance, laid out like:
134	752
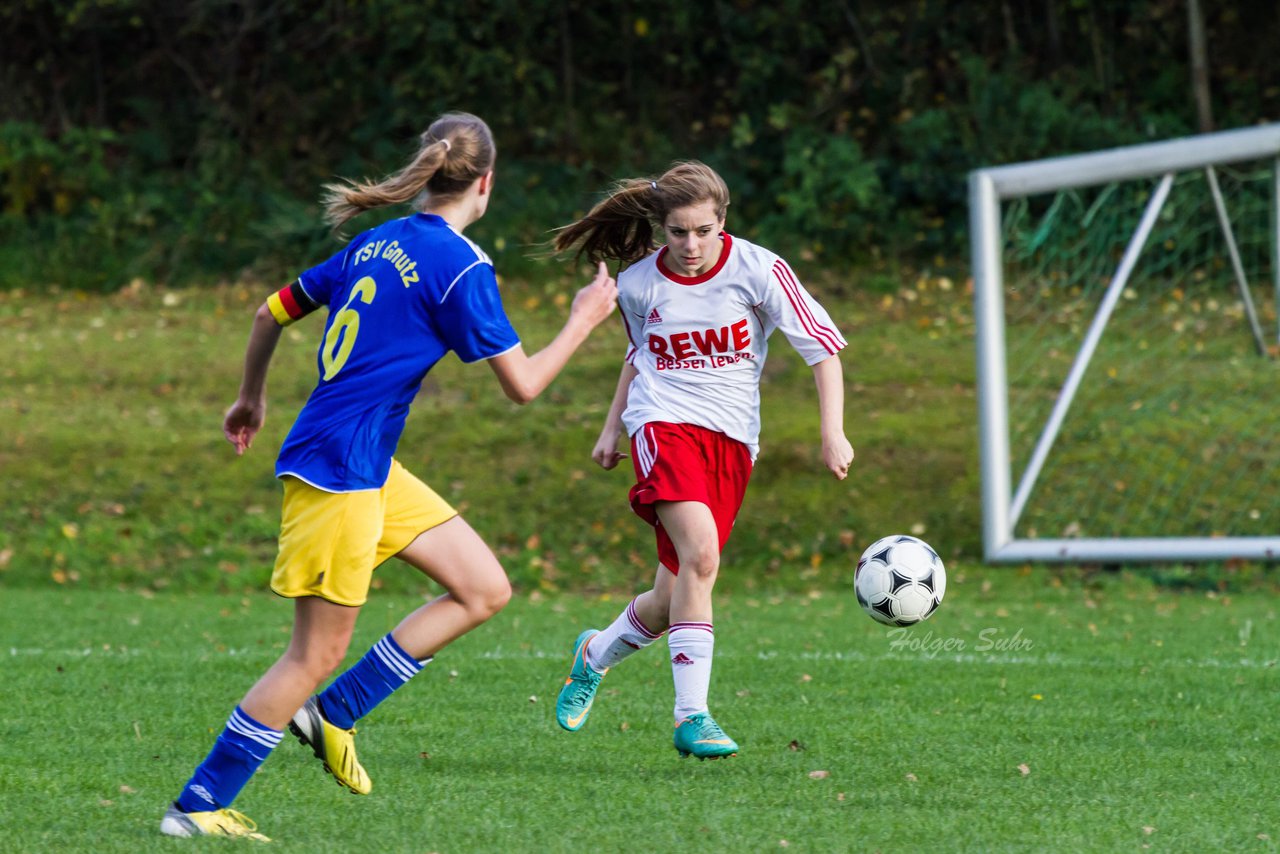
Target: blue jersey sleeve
327	277
471	319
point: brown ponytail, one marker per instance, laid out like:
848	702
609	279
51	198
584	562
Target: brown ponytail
621	226
453	152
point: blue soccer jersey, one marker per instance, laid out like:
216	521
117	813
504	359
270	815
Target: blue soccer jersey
400	296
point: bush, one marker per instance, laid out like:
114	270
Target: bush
827	195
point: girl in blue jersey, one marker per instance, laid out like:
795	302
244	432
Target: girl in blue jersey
400	296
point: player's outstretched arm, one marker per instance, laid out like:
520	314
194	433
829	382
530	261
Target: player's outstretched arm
245	417
837	453
524	377
606	453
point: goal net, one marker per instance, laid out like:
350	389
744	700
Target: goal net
1125	304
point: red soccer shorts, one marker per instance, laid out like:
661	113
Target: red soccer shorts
684	462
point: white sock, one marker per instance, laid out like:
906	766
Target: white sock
692	647
624	636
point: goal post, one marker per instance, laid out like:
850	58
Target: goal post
1123	370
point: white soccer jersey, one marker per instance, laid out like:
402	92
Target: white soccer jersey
699	343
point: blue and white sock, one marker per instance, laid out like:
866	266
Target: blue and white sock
372	679
239	751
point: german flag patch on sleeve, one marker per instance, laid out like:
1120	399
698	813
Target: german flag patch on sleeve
290	304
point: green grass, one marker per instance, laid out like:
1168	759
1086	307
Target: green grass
1084	712
1037	711
116	472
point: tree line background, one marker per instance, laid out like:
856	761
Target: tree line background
185	141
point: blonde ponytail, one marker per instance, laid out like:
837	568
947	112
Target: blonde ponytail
453	152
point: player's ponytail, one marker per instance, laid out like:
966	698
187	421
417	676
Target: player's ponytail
453	152
621	226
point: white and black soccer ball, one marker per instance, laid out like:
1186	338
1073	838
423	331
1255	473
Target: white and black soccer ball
900	580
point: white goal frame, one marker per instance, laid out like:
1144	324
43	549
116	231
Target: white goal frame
988	188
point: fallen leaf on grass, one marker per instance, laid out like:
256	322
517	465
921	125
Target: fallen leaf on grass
795	745
819	775
1024	769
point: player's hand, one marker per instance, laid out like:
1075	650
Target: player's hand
242	422
837	455
606	453
597	300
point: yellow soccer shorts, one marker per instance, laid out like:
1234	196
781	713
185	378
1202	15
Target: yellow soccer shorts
330	542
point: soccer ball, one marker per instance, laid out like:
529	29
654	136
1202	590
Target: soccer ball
900	580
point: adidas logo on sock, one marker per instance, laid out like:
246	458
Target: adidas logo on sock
681	658
653	319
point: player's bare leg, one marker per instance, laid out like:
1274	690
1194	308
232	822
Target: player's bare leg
693	532
454	556
321	635
476	587
284	696
653	606
691	637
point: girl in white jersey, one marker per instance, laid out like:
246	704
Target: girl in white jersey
698	313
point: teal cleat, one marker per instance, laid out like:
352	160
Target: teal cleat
579	691
699	735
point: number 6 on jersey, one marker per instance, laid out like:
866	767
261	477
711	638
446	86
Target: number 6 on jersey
337	346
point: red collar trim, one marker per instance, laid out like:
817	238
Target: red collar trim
699	279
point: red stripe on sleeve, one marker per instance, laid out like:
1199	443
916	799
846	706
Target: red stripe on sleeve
824	335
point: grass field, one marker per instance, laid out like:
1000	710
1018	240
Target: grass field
116	472
1037	711
1062	710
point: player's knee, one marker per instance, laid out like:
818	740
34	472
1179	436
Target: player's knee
703	564
498	595
484	599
